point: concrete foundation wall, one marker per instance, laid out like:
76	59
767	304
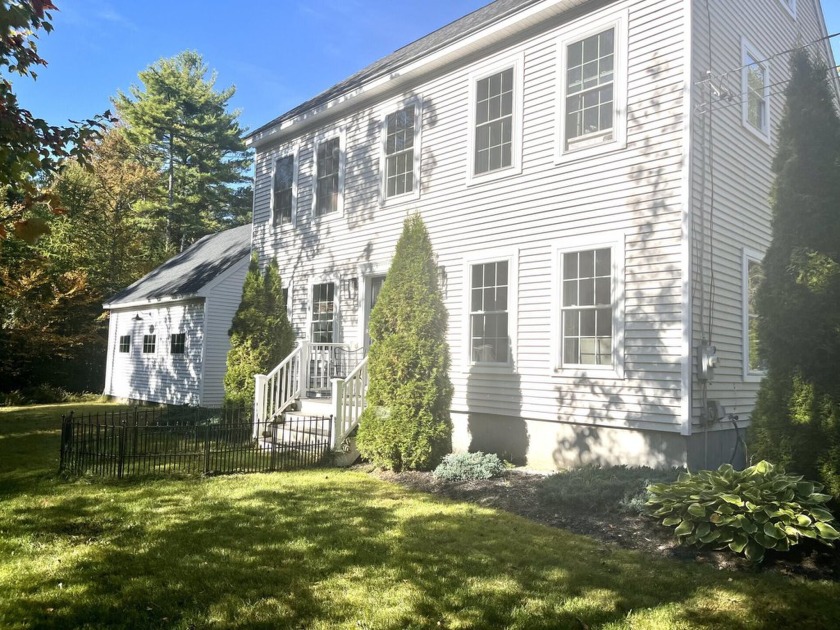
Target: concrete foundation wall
544	445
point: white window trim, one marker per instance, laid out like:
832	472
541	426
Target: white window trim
383	158
295	153
496	255
790	7
517	62
615	241
342	167
748	256
576	31
749	49
337	329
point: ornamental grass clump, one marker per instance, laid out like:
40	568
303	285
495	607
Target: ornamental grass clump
748	511
469	467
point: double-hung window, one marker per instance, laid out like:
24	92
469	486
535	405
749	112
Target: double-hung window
177	343
283	190
125	343
496	109
401	134
592	103
491	308
329	177
753	273
589	308
755	90
149	344
323	313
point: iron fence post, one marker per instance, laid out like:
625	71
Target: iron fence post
207	430
121	460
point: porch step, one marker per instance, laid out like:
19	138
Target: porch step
315	407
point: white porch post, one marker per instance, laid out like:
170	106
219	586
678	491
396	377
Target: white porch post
338	410
259	401
304	367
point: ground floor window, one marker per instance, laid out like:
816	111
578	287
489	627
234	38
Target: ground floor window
753	274
489	336
323	313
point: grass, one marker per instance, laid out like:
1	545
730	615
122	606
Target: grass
330	549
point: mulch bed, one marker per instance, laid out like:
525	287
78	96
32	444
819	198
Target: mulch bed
516	492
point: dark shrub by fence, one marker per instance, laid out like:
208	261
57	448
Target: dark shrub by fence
189	441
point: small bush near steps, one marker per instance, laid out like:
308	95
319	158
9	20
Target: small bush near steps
748	511
469	467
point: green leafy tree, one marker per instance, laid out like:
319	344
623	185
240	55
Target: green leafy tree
30	147
797	417
181	124
260	334
406	424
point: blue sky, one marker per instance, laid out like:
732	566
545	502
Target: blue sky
278	53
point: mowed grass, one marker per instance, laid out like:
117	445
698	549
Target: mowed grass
331	549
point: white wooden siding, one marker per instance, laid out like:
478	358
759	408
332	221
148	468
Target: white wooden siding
161	376
741	177
222	299
635	190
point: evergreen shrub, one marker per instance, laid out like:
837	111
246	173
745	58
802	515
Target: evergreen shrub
406	424
469	467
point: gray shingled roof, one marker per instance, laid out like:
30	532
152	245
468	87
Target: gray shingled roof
442	37
185	274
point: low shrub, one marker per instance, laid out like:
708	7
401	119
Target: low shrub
469	466
45	394
598	489
748	511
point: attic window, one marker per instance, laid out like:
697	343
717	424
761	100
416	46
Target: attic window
149	344
125	343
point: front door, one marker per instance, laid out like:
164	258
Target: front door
373	286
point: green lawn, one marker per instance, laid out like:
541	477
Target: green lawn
330	549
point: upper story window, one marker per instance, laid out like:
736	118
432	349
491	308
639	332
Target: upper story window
494	122
753	274
400	136
592	103
329	176
495	114
283	190
177	343
755	90
149	344
125	343
589	312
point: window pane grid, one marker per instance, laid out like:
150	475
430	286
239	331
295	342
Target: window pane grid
148	344
589	85
177	343
323	312
756	102
326	189
125	343
489	313
494	122
587	310
283	181
399	151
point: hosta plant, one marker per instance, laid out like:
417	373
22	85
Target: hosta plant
748	511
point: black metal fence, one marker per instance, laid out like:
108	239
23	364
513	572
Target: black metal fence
188	441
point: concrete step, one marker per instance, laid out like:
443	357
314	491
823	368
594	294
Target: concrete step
316	407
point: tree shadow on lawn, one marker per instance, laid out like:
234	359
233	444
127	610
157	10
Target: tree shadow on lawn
343	550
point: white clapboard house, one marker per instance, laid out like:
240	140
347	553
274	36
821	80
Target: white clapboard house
595	178
167	338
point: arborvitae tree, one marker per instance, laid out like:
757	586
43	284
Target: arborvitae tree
260	335
406	424
181	123
797	417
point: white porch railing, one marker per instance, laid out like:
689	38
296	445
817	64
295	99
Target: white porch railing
278	389
349	396
327	361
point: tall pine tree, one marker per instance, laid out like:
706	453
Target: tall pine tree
182	125
797	417
406	424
